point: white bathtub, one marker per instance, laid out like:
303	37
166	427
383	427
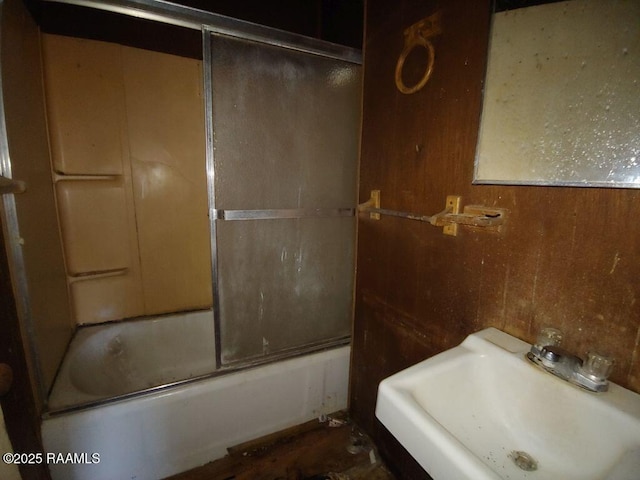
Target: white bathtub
106	361
161	433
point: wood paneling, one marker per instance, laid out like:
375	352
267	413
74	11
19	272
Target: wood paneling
568	258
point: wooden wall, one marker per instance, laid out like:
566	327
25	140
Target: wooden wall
569	257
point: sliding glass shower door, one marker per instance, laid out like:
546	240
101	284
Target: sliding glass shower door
282	165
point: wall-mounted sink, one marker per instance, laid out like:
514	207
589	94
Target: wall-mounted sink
482	411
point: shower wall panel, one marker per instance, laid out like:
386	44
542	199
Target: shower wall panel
89	149
103	224
47	314
84	106
127	136
165	118
285	129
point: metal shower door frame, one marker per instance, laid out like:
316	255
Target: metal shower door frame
241	30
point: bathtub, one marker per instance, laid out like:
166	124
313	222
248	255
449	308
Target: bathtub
106	361
170	430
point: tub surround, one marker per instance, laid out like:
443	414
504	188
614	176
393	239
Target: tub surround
568	257
127	147
45	310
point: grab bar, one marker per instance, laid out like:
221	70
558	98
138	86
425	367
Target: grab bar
9	185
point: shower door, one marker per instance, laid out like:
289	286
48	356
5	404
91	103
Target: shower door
282	168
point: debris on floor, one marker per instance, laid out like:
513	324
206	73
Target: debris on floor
328	448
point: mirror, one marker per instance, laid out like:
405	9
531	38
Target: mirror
562	96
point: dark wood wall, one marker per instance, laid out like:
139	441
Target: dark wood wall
569	257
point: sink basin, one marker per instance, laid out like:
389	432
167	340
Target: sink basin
481	411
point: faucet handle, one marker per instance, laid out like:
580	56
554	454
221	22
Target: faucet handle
548	337
597	366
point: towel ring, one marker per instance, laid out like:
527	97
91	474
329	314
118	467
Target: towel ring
416	35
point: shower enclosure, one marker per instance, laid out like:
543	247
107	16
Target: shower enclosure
147	170
278	120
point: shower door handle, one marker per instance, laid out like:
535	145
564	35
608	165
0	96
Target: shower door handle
6	379
9	185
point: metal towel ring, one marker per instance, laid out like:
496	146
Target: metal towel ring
418	34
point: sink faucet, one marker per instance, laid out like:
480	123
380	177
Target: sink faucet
590	374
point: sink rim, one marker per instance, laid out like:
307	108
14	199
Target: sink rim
420	426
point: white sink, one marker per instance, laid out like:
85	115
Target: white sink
481	411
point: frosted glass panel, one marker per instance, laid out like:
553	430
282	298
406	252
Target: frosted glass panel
284	284
285	137
285	127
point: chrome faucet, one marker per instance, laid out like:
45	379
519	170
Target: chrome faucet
590	374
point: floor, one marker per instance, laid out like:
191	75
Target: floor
330	448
